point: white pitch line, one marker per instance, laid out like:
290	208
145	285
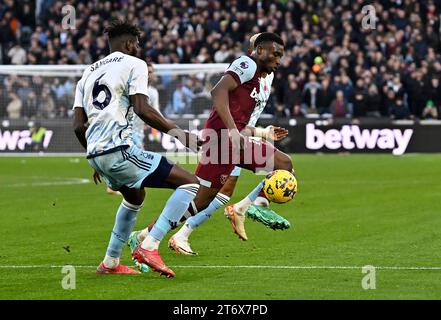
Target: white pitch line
235	267
67	181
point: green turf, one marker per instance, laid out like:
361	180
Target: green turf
350	211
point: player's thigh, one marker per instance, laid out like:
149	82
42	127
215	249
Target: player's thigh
263	156
282	161
133	196
179	176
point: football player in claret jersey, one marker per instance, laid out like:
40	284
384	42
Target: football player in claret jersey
234	100
179	241
110	91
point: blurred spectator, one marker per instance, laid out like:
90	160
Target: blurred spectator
397	108
339	106
14	106
292	97
433	92
373	102
17	54
47	104
181	99
430	111
395	105
310	92
324	96
359	99
222	54
30	105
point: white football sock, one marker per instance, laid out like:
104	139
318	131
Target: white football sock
143	234
184	232
110	262
242	206
261	201
150	243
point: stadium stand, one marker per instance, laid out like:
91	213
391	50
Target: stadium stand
334	66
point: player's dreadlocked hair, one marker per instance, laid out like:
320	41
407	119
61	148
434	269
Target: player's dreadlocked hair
268	37
119	28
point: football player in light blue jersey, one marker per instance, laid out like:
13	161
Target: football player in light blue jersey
107	96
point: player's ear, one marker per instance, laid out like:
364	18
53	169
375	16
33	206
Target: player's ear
128	45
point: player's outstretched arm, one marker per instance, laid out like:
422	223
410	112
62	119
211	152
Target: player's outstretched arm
268	133
156	120
79	124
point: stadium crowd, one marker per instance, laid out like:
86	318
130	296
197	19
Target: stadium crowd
334	63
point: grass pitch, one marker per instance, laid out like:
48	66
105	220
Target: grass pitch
351	211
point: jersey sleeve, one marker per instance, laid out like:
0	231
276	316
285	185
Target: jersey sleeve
139	78
242	69
79	93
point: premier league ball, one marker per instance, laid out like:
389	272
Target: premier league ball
280	186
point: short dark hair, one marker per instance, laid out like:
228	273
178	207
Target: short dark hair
119	28
268	37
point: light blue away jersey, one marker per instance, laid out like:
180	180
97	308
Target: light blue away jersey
103	92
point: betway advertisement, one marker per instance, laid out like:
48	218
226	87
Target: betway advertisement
304	137
354	138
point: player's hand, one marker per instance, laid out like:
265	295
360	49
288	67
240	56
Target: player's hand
277	133
237	140
96	177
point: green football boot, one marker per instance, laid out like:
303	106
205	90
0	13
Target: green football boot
133	242
267	217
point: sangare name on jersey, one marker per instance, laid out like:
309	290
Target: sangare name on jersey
104	61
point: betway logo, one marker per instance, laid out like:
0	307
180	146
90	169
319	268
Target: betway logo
350	137
18	139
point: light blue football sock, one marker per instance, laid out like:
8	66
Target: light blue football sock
174	209
202	216
124	223
255	193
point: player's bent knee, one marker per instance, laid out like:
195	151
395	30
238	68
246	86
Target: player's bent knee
284	162
190	187
130	206
229	186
